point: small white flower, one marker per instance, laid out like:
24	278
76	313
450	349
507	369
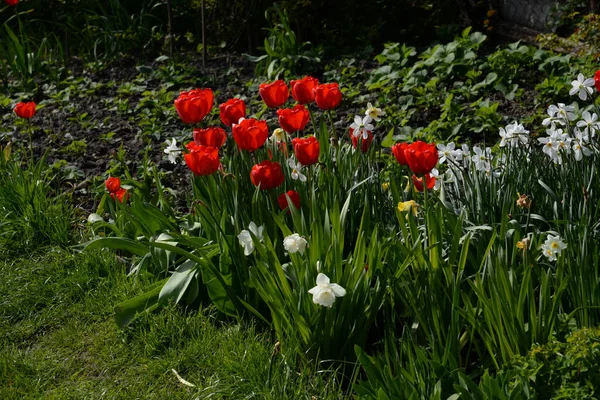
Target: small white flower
93	217
172	151
325	293
550	147
448	152
246	239
553	246
361	126
513	135
482	158
589	122
279	135
296	170
374	112
295	243
582	87
566	112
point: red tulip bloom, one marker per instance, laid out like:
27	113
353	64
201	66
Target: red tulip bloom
294	197
250	134
11	2
193	106
597	80
306	150
327	96
302	89
274	94
120	195
421	157
293	119
212	136
429	182
267	174
202	160
364	143
232	110
112	184
398	151
25	110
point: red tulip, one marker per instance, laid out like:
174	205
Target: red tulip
421	157
250	134
113	184
294	197
24	110
306	150
193	106
267	175
429	182
597	80
293	119
212	136
11	2
274	94
364	143
232	110
202	160
120	195
398	150
302	89
327	96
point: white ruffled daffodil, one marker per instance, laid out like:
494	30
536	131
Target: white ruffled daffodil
295	244
374	112
325	292
172	151
246	239
582	87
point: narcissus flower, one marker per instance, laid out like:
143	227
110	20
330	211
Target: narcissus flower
361	126
202	160
246	239
295	243
421	157
327	96
250	134
293	119
398	150
172	151
93	218
306	150
212	136
267	175
374	112
302	89
231	111
408	206
25	110
325	293
296	168
193	106
418	182
113	184
274	94
582	87
294	198
553	246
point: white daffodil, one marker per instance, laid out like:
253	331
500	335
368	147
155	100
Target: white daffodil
246	239
93	217
589	123
550	147
482	158
514	134
465	155
582	87
374	112
172	151
448	152
295	244
362	126
279	135
566	112
553	246
296	170
579	148
325	293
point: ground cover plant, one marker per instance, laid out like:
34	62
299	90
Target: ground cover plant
420	225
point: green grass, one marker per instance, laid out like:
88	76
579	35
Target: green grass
59	341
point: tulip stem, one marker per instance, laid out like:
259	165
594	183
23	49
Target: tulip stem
333	135
30	139
313	122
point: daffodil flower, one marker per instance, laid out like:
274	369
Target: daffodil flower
246	239
582	87
362	126
325	293
296	170
295	244
374	112
172	151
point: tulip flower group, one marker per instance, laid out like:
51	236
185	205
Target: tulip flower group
420	157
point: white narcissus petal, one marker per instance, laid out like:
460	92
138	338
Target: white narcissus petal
322	279
338	290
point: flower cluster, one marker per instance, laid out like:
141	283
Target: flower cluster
553	247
